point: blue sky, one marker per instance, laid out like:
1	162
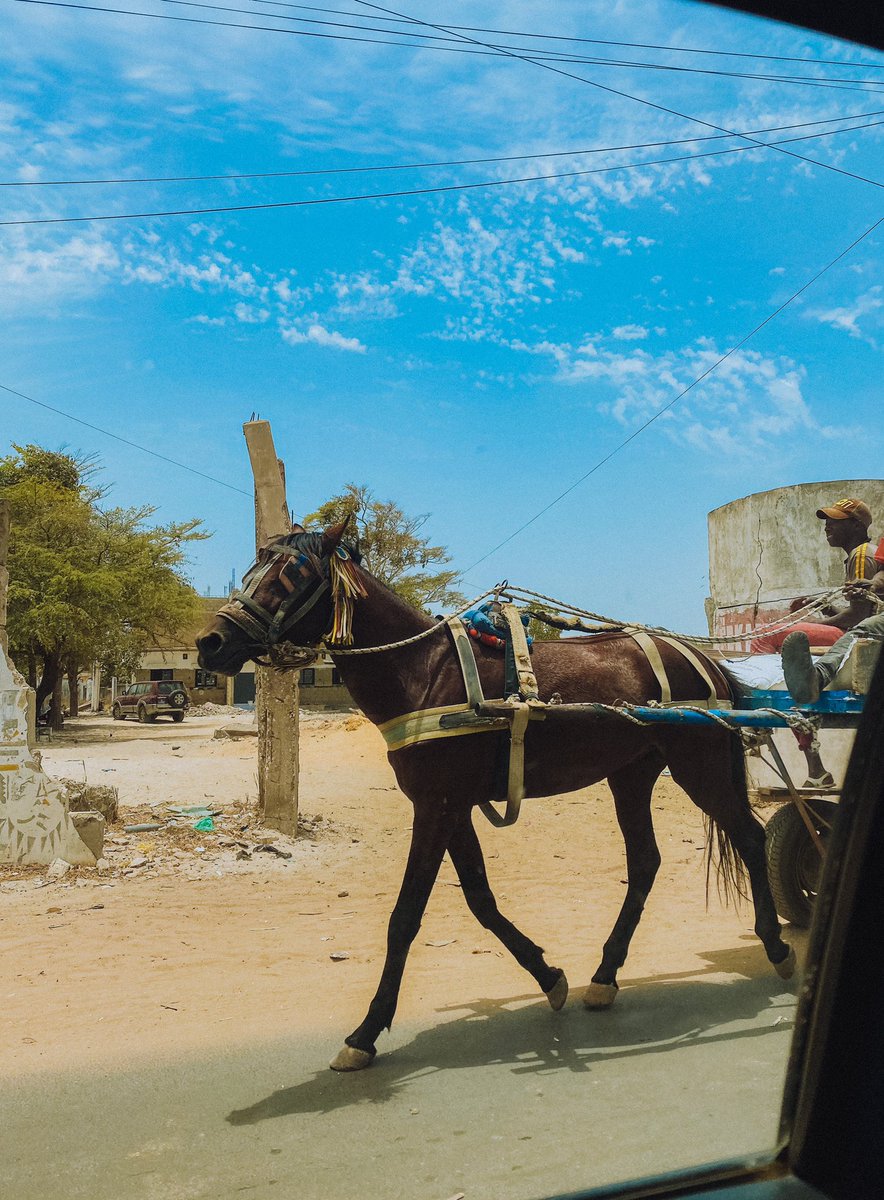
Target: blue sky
470	354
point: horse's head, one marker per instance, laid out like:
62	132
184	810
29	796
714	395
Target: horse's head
299	590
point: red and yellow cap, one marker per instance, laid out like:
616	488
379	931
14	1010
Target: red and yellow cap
842	509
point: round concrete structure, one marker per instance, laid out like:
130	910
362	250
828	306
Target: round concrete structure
768	548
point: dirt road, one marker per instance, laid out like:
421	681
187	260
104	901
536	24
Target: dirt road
168	1022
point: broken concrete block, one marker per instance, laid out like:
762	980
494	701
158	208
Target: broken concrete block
90	826
82	797
58	868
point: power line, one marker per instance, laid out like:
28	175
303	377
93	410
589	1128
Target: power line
495	51
560	56
420	166
425	191
827	62
666	407
126	442
612	91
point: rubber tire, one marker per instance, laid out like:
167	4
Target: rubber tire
144	716
178	699
117	713
178	717
793	861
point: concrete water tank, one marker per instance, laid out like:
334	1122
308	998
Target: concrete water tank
767	549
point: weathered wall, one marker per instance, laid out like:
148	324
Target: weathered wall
768	548
35	826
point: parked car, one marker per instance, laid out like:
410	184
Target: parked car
151	699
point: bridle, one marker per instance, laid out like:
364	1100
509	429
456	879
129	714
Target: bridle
306	578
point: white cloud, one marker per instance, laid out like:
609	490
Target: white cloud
55	270
320	336
847	317
629	333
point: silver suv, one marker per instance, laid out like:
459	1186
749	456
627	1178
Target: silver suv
152	699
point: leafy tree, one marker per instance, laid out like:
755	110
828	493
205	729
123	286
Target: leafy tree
392	548
87	584
541	632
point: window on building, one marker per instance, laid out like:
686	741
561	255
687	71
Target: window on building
308	677
336	677
205	679
161	673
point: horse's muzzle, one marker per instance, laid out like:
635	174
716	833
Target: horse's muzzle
219	650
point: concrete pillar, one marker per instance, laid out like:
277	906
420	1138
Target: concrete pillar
276	695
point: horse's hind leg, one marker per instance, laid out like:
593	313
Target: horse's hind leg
466	855
429	837
714	776
631	787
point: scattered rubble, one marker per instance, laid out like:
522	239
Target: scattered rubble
195	841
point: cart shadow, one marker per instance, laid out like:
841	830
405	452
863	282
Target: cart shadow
659	1017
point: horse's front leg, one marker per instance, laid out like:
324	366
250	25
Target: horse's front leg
429	838
466	855
631	788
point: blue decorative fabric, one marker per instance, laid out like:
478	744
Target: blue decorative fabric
487	619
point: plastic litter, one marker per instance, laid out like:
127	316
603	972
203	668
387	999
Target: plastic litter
204	824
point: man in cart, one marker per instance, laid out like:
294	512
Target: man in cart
846	528
805	676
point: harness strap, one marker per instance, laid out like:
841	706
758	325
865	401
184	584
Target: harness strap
467	658
697	663
515	788
525	676
652	654
425	725
647	644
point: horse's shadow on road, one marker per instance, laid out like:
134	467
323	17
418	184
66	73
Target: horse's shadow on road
662	1015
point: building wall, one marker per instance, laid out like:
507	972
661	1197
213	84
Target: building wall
768	549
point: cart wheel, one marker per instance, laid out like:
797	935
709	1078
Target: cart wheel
794	863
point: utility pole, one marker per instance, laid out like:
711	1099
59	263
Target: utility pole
276	693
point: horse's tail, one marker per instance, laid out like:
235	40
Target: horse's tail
731	877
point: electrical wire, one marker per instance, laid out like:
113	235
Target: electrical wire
614	91
560	56
671	404
827	62
126	442
420	166
870	85
424	191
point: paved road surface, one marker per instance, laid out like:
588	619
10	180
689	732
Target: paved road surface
497	1099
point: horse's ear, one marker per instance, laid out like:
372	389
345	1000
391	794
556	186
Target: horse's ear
331	538
297	529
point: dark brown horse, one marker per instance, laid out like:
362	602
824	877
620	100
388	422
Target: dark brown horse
297	593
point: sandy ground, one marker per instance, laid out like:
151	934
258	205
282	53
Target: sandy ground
190	941
168	1020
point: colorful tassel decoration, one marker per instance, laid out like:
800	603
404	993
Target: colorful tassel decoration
346	588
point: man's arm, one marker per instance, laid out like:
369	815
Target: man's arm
857	593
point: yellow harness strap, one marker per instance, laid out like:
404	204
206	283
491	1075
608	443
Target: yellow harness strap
646	642
423	726
426	726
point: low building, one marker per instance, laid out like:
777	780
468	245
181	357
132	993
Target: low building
177	659
320	684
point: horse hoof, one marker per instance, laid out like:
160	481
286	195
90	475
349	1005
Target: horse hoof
349	1058
786	968
600	995
558	993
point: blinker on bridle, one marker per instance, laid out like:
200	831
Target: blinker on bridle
306	579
